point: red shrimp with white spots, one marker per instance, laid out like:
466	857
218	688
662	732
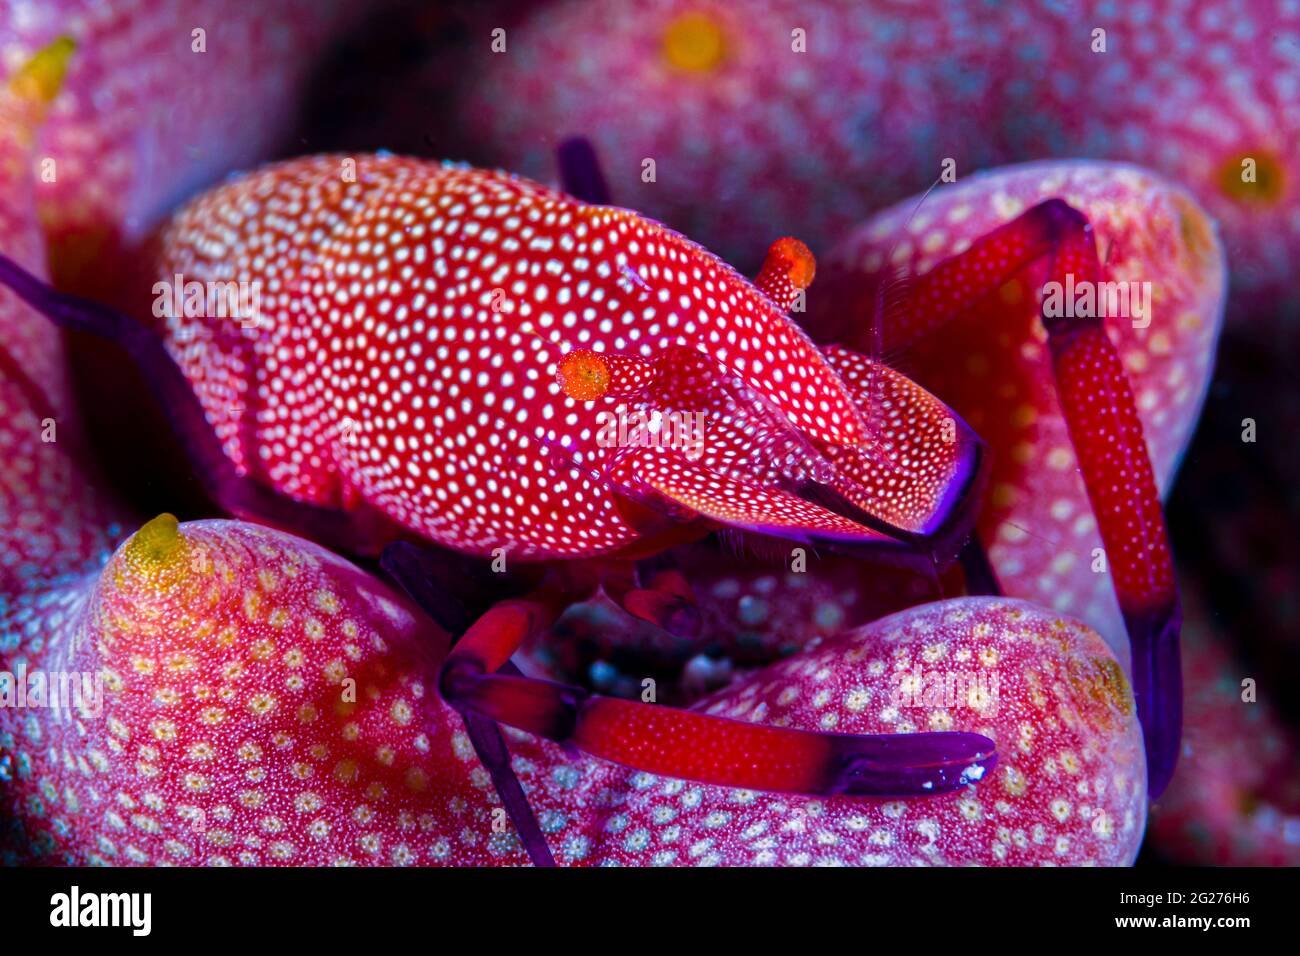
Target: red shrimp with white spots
419	336
412	324
508	371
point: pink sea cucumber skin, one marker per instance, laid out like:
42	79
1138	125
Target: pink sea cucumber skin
144	119
772	142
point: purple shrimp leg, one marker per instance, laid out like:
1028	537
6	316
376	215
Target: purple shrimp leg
411	566
233	493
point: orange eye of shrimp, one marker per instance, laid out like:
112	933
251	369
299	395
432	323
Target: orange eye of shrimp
798	260
787	270
583	375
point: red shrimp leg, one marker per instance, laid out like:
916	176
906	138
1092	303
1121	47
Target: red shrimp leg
492	639
918	478
410	565
723	752
1099	409
695	746
679	743
659	595
666	600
